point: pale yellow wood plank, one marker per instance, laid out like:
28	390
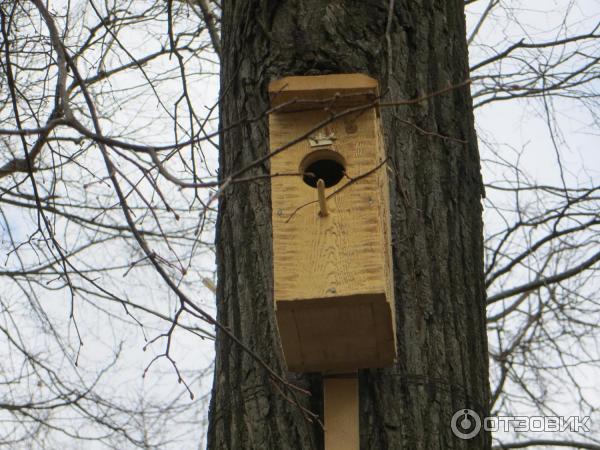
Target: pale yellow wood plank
351	89
341	413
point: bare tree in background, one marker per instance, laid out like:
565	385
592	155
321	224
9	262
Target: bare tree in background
79	284
542	253
108	192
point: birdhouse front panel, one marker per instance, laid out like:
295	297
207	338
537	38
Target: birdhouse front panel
332	261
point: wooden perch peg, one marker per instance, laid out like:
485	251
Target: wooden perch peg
322	200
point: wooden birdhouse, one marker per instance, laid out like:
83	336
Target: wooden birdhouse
331	226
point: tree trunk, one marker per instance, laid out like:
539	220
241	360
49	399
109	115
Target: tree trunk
436	190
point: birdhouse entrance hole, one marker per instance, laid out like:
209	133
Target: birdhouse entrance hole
326	165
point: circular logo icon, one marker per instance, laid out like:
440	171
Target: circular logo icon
465	424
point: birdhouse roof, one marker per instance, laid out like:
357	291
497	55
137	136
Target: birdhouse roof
320	91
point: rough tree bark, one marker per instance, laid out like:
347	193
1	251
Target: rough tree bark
436	220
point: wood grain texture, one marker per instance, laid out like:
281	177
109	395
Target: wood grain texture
337	266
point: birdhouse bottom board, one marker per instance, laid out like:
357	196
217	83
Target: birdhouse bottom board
338	333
